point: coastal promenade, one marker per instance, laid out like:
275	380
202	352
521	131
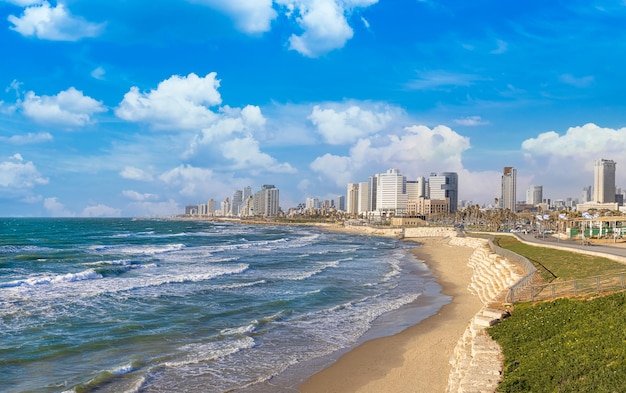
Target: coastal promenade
609	249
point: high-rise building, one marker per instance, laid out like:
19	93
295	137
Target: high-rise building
340	203
445	186
266	201
587	194
604	181
352	199
391	191
416	188
534	195
235	204
372	189
211	207
364	198
312	203
508	198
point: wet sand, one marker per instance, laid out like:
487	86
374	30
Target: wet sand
417	359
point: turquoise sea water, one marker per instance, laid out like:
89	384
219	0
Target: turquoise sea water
122	305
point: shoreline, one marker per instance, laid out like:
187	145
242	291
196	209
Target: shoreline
418	358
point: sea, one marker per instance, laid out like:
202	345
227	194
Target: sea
162	305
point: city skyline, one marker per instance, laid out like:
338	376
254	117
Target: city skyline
115	109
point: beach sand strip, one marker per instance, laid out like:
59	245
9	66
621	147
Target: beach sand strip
418	358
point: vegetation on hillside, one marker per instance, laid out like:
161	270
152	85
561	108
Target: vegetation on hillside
565	346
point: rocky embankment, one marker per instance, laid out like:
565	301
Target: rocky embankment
477	359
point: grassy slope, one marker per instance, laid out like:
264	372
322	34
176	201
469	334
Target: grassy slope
565	346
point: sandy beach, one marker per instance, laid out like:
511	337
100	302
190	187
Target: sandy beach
417	359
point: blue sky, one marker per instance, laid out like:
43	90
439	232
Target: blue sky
120	108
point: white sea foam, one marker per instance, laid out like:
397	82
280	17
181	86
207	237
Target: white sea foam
54	279
138	249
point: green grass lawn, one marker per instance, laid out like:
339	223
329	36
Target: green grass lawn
565	346
560	265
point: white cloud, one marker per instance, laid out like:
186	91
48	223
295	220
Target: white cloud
28	138
191	181
346	126
560	162
231	121
251	16
502	47
137	196
16	174
442	79
337	168
246	154
324	24
471	121
45	22
100	210
70	107
587	141
133	173
98	73
418	149
56	208
582	82
180	102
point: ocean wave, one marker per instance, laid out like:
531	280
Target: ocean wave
137	249
90	274
25	249
202	352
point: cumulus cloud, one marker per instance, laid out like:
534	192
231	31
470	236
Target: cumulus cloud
418	149
339	127
246	154
231	121
43	21
180	102
133	173
100	210
324	23
70	108
17	174
56	208
251	16
588	140
191	181
561	161
28	138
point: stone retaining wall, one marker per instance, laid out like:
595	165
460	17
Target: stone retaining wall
477	359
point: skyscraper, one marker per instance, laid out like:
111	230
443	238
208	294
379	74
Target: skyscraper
352	199
508	197
604	181
372	190
391	191
364	197
445	186
534	195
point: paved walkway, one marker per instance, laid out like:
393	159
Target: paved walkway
608	249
